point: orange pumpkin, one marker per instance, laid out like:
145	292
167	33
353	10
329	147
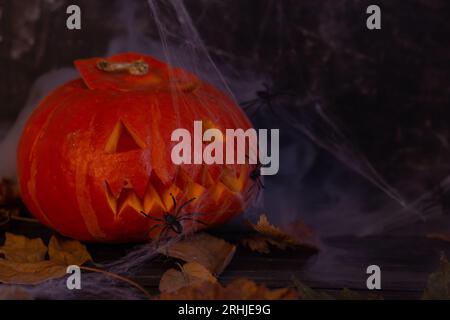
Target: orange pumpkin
97	151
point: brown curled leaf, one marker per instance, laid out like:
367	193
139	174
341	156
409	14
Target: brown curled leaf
67	251
238	289
19	248
24	259
192	274
211	252
438	285
12	272
296	235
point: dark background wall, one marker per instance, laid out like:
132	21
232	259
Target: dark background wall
390	88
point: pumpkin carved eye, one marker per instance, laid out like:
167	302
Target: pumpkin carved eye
123	140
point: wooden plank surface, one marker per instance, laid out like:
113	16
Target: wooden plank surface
405	262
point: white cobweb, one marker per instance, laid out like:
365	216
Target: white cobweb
179	44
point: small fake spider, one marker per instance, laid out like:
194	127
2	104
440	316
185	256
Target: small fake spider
172	221
264	98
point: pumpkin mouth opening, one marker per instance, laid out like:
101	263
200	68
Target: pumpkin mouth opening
156	201
151	201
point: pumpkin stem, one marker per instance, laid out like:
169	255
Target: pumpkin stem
136	68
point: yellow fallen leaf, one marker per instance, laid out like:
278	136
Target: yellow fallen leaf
22	249
191	274
14	293
301	233
238	289
67	252
249	290
211	252
438	285
12	272
258	244
24	259
307	293
295	236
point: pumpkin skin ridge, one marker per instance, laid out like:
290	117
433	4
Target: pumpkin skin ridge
219	201
84	225
32	183
93	227
36	145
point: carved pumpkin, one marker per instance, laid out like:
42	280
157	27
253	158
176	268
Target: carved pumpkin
97	151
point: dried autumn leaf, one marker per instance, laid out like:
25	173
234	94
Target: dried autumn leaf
12	272
211	252
238	289
191	274
347	294
249	290
307	293
67	252
18	248
438	285
24	259
258	244
298	234
301	233
14	293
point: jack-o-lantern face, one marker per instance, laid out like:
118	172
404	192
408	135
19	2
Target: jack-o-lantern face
97	152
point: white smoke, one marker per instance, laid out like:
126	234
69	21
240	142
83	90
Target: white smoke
41	87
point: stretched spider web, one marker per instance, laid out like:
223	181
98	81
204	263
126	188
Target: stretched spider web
178	42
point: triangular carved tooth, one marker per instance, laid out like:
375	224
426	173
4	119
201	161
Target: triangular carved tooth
127	197
230	180
130	199
206	179
217	191
151	199
194	190
167	199
112	201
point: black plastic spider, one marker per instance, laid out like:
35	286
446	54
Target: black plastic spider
173	220
264	98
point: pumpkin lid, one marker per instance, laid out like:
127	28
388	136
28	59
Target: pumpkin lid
131	72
